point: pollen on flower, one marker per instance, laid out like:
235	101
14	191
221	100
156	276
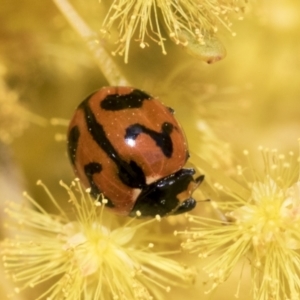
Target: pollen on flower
261	232
139	19
86	254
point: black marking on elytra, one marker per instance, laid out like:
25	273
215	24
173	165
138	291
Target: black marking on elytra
85	101
160	197
89	170
126	177
73	138
162	139
118	102
129	173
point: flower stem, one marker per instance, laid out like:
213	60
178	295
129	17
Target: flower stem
108	67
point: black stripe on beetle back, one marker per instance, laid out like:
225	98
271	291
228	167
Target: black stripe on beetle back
129	173
84	102
74	134
162	139
73	138
89	170
118	102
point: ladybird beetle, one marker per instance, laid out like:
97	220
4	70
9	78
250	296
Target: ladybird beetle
128	146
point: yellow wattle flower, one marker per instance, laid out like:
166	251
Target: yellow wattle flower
186	22
91	255
260	232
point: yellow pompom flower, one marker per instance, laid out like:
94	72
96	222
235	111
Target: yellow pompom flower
186	22
261	232
90	256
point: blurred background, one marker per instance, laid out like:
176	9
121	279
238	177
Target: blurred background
250	98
